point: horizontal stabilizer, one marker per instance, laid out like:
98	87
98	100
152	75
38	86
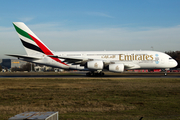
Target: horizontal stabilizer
24	56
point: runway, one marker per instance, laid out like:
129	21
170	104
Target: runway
83	75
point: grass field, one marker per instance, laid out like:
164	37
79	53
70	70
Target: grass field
92	98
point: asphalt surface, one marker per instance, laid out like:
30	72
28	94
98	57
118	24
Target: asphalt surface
83	75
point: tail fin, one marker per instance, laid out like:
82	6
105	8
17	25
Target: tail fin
32	44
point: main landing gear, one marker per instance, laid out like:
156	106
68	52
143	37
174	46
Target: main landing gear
95	73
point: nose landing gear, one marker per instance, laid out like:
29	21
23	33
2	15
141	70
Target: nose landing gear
165	73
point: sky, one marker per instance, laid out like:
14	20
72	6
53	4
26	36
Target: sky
92	25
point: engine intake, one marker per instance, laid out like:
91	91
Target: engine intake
95	65
116	67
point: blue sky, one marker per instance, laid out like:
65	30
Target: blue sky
84	25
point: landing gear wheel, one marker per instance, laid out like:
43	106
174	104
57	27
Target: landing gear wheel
95	74
101	74
88	74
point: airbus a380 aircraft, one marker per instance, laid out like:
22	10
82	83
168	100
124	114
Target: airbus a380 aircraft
93	61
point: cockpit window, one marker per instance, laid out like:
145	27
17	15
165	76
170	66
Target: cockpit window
170	58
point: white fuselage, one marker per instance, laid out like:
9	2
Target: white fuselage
130	59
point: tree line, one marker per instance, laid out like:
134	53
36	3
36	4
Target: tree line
175	55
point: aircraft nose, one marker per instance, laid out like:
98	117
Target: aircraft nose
175	63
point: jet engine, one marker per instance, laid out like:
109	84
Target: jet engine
116	67
95	65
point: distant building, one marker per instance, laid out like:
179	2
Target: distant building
17	63
42	68
8	64
11	63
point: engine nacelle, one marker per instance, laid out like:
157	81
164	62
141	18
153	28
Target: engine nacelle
95	65
116	67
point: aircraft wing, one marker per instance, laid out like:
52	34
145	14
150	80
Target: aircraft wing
69	58
23	56
82	60
131	66
72	60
